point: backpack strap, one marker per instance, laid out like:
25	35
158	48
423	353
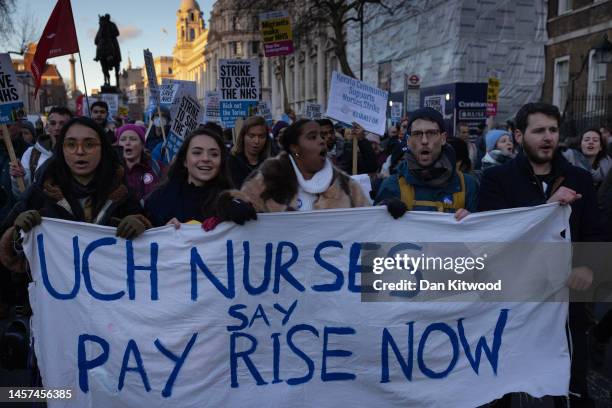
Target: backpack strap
407	196
406	193
459	196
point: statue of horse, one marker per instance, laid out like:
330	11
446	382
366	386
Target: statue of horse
107	48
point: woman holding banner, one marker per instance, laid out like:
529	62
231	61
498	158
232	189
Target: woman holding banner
301	178
83	181
252	147
195	178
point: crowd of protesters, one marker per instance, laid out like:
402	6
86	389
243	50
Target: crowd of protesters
92	170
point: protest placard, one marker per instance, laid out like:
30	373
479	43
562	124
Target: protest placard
264	110
232	110
239	79
436	102
276	33
267	315
212	108
238	84
11	105
396	112
151	81
351	100
184	120
492	96
312	110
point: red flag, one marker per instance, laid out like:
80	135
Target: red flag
58	38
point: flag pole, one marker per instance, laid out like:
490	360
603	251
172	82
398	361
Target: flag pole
84	84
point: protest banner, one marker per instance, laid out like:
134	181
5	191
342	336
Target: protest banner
396	112
436	102
186	118
212	109
351	100
268	315
276	33
238	84
11	107
112	100
313	111
264	110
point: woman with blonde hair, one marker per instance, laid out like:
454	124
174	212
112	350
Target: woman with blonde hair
252	147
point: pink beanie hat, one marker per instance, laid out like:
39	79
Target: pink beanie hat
140	131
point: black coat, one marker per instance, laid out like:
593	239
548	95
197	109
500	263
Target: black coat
240	168
46	197
514	184
180	200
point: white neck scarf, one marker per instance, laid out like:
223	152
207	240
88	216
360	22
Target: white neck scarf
319	182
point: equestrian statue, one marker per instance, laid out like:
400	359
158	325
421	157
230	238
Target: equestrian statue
107	49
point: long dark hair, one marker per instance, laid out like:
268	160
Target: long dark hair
105	178
602	144
177	171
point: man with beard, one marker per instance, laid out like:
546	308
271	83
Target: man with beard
99	113
427	178
540	174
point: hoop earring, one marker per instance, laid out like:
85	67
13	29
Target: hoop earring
297	155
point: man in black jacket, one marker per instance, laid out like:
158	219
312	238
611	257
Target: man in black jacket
538	175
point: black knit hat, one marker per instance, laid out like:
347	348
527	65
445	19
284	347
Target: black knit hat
429	114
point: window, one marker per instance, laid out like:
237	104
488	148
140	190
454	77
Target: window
237	47
191	34
191	16
170	71
596	83
384	75
561	82
564	6
255	47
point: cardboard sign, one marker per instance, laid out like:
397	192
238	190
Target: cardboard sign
152	81
232	110
313	110
396	112
186	118
351	100
268	315
492	96
11	105
264	110
239	79
276	33
436	102
212	107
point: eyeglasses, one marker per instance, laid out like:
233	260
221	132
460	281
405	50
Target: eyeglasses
429	133
88	146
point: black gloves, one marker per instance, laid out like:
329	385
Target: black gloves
27	220
237	210
396	207
130	227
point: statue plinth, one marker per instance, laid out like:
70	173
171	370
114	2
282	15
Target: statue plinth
107	89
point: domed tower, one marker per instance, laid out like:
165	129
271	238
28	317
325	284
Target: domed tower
189	22
191	38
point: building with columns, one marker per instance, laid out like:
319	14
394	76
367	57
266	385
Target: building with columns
191	39
235	34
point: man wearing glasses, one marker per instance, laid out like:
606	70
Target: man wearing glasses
427	179
34	157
